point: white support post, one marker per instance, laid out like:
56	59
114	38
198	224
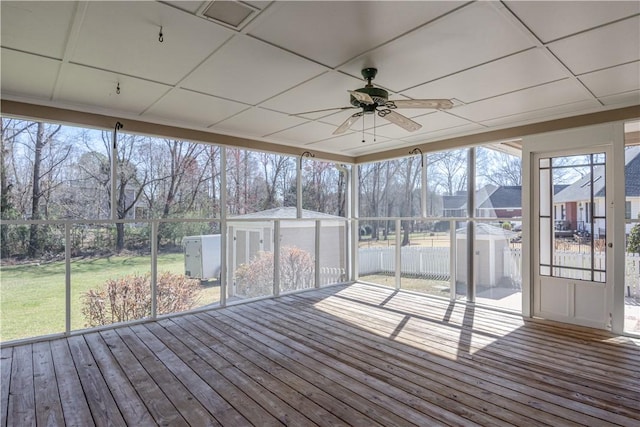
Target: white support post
318	254
471	191
224	238
453	251
299	189
398	269
353	225
423	189
276	258
154	269
67	278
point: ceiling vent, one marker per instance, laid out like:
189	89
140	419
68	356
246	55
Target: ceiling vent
231	13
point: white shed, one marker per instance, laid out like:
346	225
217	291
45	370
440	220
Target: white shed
490	244
250	233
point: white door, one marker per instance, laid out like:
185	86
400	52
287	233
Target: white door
570	218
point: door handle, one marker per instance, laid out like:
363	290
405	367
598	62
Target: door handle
610	244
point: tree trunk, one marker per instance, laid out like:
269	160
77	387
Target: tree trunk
119	236
35	244
5	196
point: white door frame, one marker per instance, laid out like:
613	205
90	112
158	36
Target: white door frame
609	135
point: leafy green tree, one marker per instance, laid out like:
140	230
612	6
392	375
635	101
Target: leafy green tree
633	245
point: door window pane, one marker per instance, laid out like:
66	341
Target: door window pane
576	246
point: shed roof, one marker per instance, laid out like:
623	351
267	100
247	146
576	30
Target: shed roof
286	212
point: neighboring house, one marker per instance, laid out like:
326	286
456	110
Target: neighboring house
455	206
501	202
572	207
492	202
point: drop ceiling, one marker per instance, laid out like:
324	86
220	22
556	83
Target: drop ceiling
504	64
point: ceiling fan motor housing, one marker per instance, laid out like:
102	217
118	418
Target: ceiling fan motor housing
379	96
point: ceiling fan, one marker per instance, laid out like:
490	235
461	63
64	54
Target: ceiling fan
371	100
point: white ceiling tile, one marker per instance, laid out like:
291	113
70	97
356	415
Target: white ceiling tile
600	48
550	20
332	32
444	133
326	91
88	86
189	6
28	75
123	37
257	3
36	27
623	99
341	144
470	36
257	122
613	80
550	113
556	93
515	72
370	147
193	108
305	133
249	70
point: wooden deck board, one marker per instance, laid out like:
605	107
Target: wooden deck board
346	355
48	406
6	357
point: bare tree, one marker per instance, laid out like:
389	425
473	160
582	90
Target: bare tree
410	177
498	168
10	130
44	137
274	167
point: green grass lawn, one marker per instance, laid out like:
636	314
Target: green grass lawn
32	296
427	286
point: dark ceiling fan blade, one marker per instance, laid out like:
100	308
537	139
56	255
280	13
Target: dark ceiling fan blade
440	104
365	98
400	120
321	111
348	123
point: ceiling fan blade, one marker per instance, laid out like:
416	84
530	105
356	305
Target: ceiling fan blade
321	111
440	104
400	120
362	97
348	123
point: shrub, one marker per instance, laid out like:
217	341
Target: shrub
129	298
297	269
255	278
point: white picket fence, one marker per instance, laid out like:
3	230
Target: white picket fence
433	263
330	275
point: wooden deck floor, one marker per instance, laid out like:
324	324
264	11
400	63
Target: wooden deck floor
356	355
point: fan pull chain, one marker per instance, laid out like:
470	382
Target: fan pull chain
363	116
374	126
